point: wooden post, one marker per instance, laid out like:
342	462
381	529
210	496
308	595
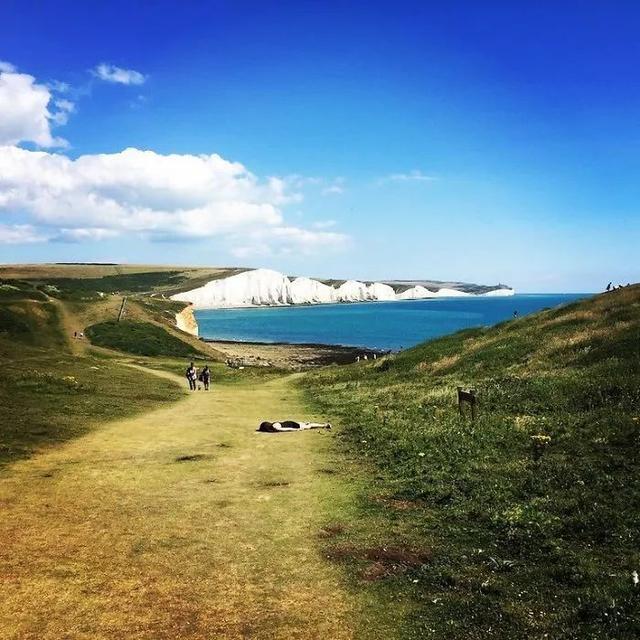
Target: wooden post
468	397
124	302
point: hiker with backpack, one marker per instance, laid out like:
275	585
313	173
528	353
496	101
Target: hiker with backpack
205	377
192	376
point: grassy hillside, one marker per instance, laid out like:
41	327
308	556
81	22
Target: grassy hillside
141	338
53	388
89	295
524	523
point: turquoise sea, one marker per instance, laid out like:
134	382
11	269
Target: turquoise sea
377	325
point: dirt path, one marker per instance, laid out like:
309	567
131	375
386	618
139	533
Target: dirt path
77	346
181	523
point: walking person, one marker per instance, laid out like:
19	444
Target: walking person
192	376
205	377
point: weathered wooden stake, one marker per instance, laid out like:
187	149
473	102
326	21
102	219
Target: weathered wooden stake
468	397
124	302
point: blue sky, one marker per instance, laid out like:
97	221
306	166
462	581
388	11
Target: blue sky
488	142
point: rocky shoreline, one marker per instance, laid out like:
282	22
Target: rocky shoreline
286	355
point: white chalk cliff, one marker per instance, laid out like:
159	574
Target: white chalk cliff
264	287
416	293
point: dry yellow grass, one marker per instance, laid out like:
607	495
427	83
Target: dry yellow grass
110	536
79	270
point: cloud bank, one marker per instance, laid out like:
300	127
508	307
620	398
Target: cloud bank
48	196
161	197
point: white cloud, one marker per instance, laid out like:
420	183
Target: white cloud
82	235
160	197
25	114
157	196
413	176
19	234
59	87
65	108
285	240
111	73
324	224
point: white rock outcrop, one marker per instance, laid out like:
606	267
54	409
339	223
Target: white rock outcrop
499	293
265	287
416	293
186	321
308	291
379	291
352	291
248	289
451	293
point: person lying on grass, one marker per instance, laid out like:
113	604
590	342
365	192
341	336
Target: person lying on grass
291	425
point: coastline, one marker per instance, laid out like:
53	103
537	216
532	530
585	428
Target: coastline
288	355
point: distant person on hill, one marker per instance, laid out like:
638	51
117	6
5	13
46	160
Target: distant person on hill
192	376
205	377
609	286
515	314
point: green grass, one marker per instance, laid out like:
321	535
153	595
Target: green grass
47	398
48	395
19	290
30	322
526	539
140	338
89	288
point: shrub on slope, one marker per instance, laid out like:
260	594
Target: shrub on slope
31	322
531	513
141	338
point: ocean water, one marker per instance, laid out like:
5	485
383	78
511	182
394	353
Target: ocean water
377	325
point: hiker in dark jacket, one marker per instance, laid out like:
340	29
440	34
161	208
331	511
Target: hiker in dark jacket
205	377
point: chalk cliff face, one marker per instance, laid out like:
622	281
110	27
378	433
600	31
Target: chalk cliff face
499	293
308	291
353	291
186	321
264	287
379	291
416	293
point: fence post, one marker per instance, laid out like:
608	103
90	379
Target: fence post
124	302
468	397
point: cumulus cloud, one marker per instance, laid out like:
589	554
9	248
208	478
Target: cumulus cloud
157	196
118	75
28	110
